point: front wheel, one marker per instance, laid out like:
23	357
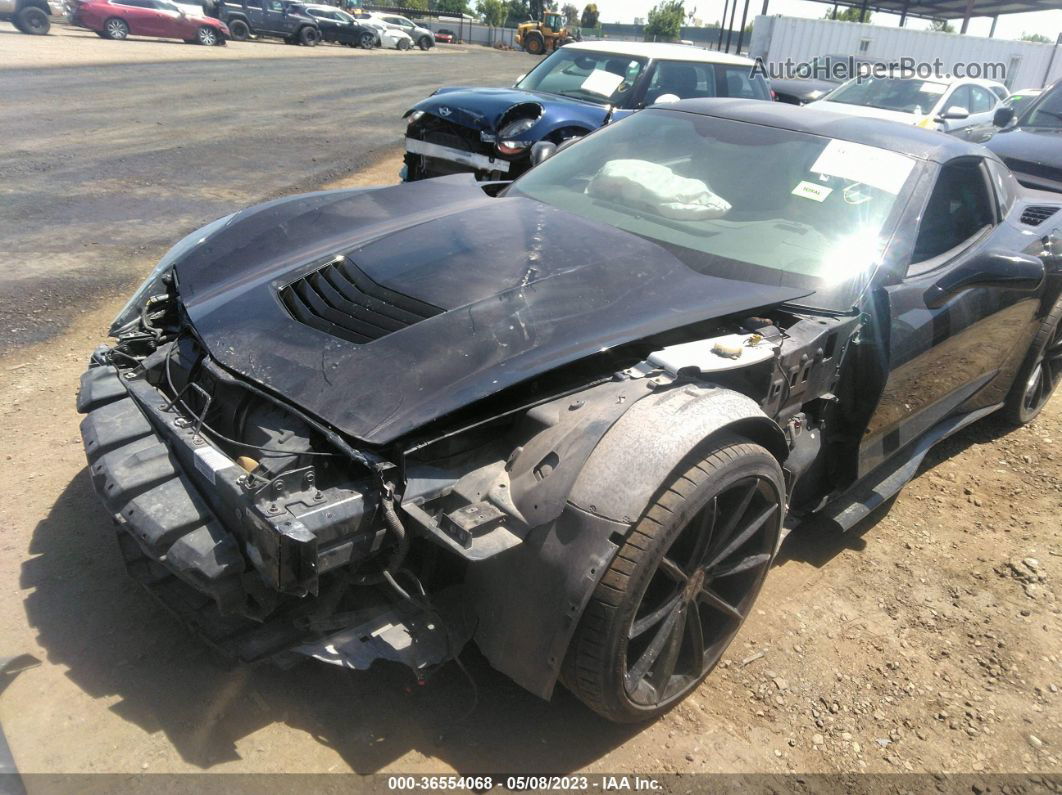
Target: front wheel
403	44
367	41
33	20
239	30
535	45
424	43
1040	372
680	587
309	37
116	29
207	36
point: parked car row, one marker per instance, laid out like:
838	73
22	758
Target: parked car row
238	20
583	86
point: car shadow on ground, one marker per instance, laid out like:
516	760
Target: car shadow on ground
817	541
115	641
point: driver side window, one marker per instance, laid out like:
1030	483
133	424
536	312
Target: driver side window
958	211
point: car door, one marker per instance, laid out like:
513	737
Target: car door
958	97
983	105
949	348
274	17
256	16
140	15
173	22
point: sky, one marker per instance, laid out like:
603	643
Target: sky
1010	26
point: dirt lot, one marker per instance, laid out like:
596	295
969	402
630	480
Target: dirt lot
927	640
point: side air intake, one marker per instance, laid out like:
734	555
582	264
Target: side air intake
1036	215
339	299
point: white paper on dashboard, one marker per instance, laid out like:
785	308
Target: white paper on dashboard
869	165
601	82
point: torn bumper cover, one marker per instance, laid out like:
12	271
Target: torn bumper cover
216	553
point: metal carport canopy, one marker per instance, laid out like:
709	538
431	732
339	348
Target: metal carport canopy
958	9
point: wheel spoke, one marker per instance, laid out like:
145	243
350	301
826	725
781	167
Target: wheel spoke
742	537
696	635
705	530
648	622
665	665
751	562
673	570
652	651
739	512
714	600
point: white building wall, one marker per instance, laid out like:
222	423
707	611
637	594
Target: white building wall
779	38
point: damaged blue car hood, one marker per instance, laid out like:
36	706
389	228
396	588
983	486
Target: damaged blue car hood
516	289
482	108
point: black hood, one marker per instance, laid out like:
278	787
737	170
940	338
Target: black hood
492	291
1033	150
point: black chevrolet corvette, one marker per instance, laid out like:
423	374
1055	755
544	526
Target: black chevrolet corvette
569	418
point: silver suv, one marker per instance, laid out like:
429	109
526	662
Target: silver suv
422	37
30	16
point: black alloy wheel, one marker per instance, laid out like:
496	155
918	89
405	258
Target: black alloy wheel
681	586
1040	373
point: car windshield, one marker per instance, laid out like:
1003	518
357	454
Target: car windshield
1047	112
599	77
736	200
906	95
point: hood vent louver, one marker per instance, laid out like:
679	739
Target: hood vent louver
339	299
1036	215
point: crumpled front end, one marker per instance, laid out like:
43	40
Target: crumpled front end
241	518
485	131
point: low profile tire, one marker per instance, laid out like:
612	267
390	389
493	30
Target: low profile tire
309	37
239	31
424	43
403	44
680	587
33	20
535	44
207	36
1040	372
116	29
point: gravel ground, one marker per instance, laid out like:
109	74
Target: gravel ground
113	150
925	640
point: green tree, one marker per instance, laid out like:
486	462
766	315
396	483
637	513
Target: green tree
665	21
455	7
846	15
941	26
416	5
493	12
517	11
590	16
1037	37
571	14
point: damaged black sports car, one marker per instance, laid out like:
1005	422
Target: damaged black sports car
569	418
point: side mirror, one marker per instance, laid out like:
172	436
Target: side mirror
1003	117
542	150
999	269
954	113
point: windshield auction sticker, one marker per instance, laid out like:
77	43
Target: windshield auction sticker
601	82
878	168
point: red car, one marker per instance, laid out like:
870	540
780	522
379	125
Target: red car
119	19
444	36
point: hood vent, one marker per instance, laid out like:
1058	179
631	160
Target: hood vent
1036	215
339	299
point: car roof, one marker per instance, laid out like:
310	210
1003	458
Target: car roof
906	139
658	50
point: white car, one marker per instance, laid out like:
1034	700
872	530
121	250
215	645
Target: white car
422	37
390	36
964	108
